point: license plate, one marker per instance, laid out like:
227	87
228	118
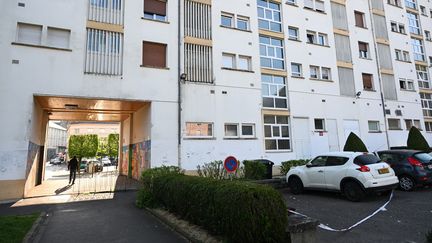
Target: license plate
430	166
383	171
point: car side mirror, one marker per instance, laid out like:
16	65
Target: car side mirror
309	165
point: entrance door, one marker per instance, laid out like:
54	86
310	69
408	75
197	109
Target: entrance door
40	165
301	138
351	126
333	135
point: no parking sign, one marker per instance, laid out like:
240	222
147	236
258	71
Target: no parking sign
231	164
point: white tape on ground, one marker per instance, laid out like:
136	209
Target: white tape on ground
325	227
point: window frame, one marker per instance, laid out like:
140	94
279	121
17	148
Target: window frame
198	136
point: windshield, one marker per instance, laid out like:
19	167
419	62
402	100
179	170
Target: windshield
423	157
366	159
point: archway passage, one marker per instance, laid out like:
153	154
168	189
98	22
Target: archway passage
45	177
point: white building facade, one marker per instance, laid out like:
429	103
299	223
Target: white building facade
194	81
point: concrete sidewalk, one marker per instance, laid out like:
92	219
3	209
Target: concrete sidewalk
108	220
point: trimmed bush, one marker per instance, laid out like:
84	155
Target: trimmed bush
287	165
216	170
254	170
416	140
238	211
354	144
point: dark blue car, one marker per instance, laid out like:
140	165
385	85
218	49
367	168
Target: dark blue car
413	168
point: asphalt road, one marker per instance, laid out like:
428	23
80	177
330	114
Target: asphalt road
111	220
407	217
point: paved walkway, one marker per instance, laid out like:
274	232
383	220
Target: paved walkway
105	217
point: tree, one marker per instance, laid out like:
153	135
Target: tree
355	144
113	145
416	140
102	147
83	146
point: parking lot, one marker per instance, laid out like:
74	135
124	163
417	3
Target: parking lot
406	218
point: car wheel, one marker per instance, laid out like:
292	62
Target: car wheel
296	185
406	183
353	191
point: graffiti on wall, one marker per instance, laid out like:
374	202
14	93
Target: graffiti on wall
32	152
140	157
125	160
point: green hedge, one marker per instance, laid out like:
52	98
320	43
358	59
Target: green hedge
235	210
286	166
254	170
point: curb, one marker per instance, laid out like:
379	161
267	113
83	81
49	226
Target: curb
30	236
173	226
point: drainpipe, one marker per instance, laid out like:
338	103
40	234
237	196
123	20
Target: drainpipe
379	74
179	74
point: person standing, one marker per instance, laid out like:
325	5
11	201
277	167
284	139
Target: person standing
72	167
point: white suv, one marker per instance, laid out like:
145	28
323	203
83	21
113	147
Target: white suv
352	173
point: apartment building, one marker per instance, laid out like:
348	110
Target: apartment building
193	81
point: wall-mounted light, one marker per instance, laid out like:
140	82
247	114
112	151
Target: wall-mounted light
183	76
358	94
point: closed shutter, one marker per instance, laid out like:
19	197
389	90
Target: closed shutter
339	16
367	81
380	26
378	4
154	54
389	87
155	7
346	81
343	50
384	54
359	19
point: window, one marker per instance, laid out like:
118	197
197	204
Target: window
104	52
428	126
319	124
269	16
154	54
428	35
199	129
397	27
374	126
242	23
336	161
29	33
402	55
406	84
394	124
413	23
319	161
274	93
244	63
411	4
231	130
58	37
296	70
228	60
363	50
325	73
272	53
313	37
314	72
359	19
291	2
410	123
423	10
395	2
422	76
367	81
276	132
322	73
155	9
227	20
248	130
293	33
426	100
418	49
316	5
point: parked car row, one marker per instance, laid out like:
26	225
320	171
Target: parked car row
358	174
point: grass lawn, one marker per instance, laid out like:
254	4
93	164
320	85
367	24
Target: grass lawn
14	228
